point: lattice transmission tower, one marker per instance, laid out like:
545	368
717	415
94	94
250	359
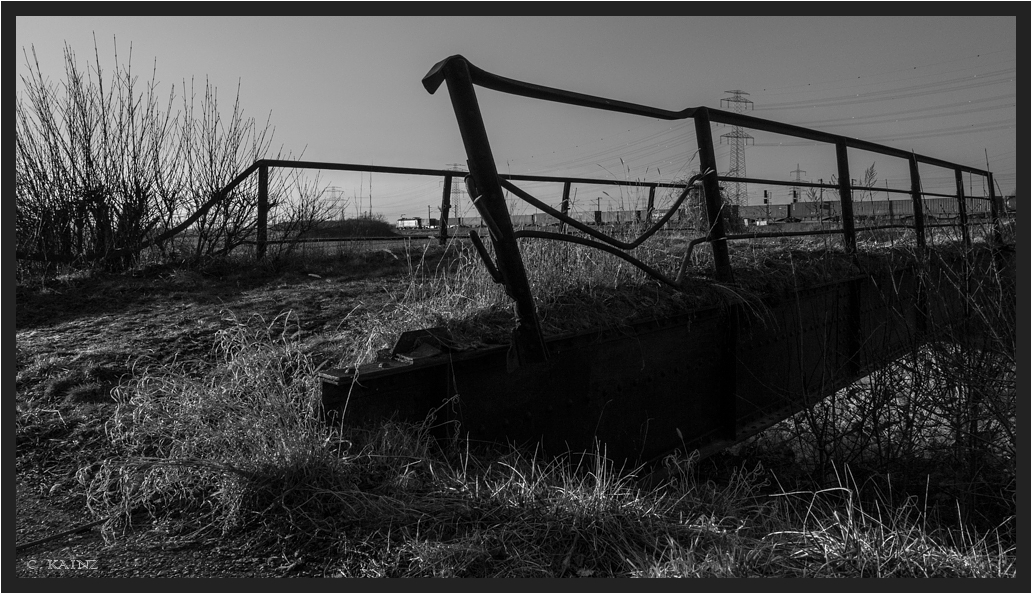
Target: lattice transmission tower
336	201
795	189
458	188
737	139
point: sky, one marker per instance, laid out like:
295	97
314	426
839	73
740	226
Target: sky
348	89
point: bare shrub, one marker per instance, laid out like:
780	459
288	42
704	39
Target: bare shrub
107	166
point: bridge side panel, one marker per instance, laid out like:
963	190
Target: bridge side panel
643	390
818	341
790	356
639	393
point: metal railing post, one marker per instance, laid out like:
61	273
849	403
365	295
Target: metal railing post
263	212
915	193
714	202
445	206
652	203
962	208
845	197
565	206
528	341
994	211
721	266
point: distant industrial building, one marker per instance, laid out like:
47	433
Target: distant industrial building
410	223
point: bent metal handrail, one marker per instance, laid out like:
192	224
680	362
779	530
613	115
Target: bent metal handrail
613	243
602	236
433	79
604	239
485	186
447	174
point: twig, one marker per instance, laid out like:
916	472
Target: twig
81	528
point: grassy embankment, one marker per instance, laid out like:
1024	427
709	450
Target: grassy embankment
223	440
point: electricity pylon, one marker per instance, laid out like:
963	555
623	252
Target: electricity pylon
737	138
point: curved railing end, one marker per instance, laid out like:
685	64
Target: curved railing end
433	79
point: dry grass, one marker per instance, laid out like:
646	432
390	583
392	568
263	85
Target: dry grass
207	462
233	449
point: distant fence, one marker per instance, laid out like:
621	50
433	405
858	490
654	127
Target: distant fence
902	210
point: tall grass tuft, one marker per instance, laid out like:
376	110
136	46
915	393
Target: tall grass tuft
208	444
938	424
839	535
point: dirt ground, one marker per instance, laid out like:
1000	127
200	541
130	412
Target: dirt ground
77	338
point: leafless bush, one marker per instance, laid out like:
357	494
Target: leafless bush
107	166
302	205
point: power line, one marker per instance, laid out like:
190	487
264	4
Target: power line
967	82
923	110
970	128
908	70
